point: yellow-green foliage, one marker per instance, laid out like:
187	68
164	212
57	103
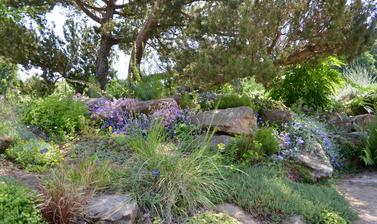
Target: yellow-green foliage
17	204
212	218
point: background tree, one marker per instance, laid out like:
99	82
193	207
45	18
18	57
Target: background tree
107	13
230	39
8	76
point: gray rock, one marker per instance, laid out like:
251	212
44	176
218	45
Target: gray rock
233	121
237	213
297	219
117	209
362	121
355	138
150	106
341	121
277	116
5	142
315	159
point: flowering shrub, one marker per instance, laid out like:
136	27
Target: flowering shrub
302	133
119	116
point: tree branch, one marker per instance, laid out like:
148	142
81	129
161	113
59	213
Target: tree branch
81	5
94	7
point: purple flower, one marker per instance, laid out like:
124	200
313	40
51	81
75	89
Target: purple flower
300	141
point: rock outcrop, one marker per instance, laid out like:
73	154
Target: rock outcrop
232	121
109	209
277	116
315	159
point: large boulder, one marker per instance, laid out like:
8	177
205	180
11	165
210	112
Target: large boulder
150	106
277	116
108	209
5	142
315	159
362	121
341	121
233	121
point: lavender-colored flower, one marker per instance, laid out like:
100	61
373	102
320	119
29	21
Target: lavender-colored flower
300	141
287	140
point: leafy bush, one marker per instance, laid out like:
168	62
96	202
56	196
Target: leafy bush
17	205
369	154
35	154
265	191
313	86
168	182
58	116
149	88
233	100
250	150
212	218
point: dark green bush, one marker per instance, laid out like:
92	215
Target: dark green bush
58	116
266	191
250	150
311	86
149	88
232	100
17	204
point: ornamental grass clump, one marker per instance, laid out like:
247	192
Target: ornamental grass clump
168	182
70	185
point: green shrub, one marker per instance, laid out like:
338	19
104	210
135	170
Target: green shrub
35	154
250	150
233	100
266	191
34	86
58	116
169	182
117	89
311	86
212	218
369	154
149	88
17	204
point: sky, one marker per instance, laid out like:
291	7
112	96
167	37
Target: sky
57	17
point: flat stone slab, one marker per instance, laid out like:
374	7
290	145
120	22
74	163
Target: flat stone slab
361	192
117	209
237	213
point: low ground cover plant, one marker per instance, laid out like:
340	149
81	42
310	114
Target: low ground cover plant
267	192
18	204
35	154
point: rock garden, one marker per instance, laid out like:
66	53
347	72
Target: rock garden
230	112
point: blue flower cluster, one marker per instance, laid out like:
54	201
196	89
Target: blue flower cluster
302	133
